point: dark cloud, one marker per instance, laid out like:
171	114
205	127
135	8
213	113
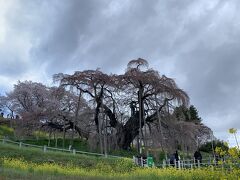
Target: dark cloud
68	31
213	81
195	42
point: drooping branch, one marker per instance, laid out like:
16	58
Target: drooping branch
154	117
108	92
68	125
113	120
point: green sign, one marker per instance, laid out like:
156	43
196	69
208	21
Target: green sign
150	161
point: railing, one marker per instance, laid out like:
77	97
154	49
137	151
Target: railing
190	163
181	164
47	148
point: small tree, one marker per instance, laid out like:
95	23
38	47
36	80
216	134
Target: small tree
194	114
182	113
234	132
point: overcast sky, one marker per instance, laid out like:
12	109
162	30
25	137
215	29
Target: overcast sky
195	42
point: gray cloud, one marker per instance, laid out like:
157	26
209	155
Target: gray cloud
195	42
11	65
213	81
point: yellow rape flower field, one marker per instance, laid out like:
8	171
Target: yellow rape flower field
19	168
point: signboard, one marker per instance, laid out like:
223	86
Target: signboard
150	161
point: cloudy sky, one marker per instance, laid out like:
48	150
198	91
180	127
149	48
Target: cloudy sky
195	42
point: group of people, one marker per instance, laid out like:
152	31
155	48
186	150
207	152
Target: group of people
174	158
9	116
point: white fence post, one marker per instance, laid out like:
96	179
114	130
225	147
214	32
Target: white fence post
44	148
141	161
179	164
164	163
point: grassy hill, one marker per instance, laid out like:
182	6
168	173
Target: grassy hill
34	157
38	156
41	138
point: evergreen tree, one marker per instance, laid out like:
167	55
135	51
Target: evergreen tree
194	114
183	113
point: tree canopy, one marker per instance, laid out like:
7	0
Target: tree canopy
128	101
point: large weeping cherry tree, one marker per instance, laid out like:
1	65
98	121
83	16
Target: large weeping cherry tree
140	90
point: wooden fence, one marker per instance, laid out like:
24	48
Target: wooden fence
191	163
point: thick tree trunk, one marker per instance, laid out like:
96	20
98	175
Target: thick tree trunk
75	118
64	135
56	139
49	137
127	133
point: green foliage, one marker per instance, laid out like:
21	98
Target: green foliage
162	156
40	138
234	152
78	144
183	113
207	147
38	156
6	131
40	134
194	114
124	153
232	130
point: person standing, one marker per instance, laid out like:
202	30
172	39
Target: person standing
176	156
198	156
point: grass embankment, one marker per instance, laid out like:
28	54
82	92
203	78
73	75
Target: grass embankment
59	158
40	138
78	144
26	163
